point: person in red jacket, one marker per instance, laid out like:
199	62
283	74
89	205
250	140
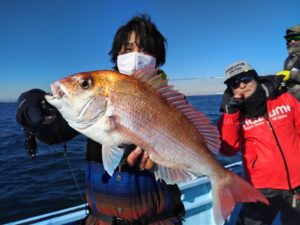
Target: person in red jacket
263	123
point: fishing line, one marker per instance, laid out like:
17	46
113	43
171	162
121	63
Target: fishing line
47	111
73	174
74	177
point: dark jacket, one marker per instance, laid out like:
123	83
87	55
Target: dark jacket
292	63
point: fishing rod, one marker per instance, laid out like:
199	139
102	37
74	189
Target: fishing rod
196	78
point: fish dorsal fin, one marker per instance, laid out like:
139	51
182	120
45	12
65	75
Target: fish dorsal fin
202	123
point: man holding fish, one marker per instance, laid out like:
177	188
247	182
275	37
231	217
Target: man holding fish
115	109
131	195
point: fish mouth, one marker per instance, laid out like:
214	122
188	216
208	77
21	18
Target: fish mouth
57	90
57	94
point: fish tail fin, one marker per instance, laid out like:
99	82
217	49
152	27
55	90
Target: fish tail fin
230	190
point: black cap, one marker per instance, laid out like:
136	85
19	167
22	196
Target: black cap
292	31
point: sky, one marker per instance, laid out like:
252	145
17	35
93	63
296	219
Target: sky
42	41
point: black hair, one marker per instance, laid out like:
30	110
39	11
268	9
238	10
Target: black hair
151	40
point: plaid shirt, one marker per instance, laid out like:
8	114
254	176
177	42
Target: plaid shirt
129	195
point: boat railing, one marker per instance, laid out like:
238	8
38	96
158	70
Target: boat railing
196	197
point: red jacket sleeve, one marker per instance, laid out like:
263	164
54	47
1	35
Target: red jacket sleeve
230	133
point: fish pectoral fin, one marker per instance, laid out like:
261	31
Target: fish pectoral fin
172	176
111	157
109	123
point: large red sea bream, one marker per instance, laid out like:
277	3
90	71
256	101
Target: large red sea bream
114	109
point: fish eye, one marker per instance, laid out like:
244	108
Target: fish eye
85	83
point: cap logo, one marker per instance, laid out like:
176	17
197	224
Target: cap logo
235	68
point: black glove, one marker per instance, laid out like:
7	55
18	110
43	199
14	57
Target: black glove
31	114
230	104
233	105
41	120
33	109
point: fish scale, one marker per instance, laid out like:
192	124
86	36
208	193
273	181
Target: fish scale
152	132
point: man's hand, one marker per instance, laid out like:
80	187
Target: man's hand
31	112
34	115
233	104
285	74
292	76
140	158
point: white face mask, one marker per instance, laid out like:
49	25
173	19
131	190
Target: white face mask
131	62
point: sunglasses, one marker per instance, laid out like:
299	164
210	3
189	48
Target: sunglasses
294	38
235	83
